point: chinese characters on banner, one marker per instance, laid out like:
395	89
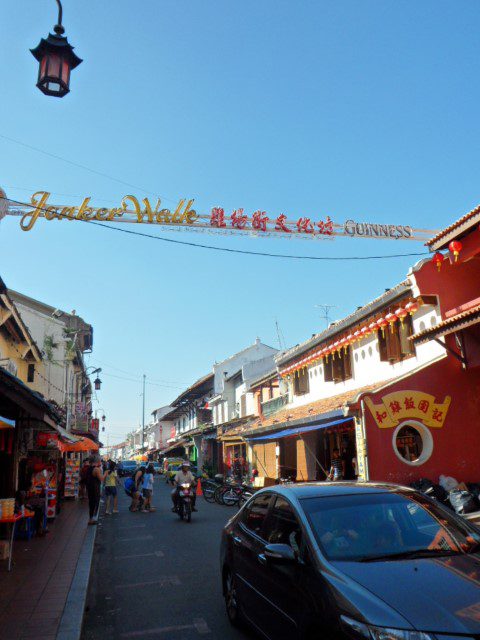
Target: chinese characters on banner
262	223
403	405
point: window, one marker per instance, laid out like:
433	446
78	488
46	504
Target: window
412	443
342	366
31	373
282	526
355	527
394	344
255	514
301	383
328	370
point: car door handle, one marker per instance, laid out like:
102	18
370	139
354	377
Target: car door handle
262	558
237	540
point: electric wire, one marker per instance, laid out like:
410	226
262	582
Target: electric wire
237	251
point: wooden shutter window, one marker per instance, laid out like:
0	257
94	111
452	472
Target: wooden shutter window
347	364
328	370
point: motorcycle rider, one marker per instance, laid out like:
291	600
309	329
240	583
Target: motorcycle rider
183	476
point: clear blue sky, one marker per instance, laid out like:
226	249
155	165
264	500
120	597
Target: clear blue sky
363	109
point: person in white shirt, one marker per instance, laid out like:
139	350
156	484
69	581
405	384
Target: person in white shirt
183	476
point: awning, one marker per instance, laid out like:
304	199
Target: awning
297	431
455	323
83	444
176	445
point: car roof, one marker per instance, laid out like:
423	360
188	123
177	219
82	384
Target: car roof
327	489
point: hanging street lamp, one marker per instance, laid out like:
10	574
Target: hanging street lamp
56	61
98	383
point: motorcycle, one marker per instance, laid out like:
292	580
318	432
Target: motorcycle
184	504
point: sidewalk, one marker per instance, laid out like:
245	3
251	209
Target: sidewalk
33	595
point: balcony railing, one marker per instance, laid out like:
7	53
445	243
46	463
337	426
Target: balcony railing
269	407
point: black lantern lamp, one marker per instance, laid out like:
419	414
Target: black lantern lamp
56	58
98	383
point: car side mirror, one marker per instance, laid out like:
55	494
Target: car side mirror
279	553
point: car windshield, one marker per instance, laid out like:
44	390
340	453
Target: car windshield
379	526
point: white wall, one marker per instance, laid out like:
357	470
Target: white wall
367	366
40	326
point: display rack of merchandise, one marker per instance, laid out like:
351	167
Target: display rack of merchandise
72	475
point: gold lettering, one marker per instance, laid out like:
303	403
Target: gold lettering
136	205
163	216
148	209
176	216
190	214
67	212
101	214
35	213
51	213
85	212
115	212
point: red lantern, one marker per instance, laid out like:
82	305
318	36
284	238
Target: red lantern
401	313
382	323
455	247
365	331
412	307
373	326
357	336
391	318
438	259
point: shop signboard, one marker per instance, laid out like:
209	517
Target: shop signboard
132	209
399	406
47	440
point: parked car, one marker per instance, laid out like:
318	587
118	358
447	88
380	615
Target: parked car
331	561
126	467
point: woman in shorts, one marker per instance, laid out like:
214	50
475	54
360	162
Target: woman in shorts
147	488
111	488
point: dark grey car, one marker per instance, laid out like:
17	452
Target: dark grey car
329	561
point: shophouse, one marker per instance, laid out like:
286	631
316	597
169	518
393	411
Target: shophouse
233	403
359	353
63	339
426	422
191	417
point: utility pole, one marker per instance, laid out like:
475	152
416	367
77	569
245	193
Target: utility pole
143	414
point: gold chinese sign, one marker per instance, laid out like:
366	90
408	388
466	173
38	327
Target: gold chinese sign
404	405
144	212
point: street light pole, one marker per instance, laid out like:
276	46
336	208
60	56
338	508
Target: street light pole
143	414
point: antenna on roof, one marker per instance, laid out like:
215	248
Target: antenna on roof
326	312
280	337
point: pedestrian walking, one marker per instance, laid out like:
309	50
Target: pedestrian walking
111	480
147	488
83	478
93	482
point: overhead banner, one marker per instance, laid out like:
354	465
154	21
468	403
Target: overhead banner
185	217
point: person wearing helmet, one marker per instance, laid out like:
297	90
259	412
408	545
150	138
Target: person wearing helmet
183	476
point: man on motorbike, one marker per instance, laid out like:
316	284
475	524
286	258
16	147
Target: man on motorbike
183	476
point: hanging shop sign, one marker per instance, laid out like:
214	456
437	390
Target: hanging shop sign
133	210
404	405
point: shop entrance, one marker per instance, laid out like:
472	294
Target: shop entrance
288	458
343	439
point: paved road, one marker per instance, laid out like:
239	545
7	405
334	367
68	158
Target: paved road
155	576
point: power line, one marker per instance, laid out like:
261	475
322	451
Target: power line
111	366
237	251
81	166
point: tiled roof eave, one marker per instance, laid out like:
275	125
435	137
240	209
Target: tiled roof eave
462	225
456	323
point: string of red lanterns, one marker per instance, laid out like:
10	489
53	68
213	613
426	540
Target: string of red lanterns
454	247
336	347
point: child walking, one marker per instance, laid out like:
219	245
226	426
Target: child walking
111	488
147	488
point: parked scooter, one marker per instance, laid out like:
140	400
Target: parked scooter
184	502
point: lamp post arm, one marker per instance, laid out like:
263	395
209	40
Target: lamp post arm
58	28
